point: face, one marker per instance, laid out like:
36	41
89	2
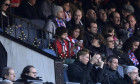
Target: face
76	33
32	72
116	18
64	35
111	33
11	75
93	28
32	2
135	46
5	5
134	74
84	58
114	64
66	6
96	43
91	14
102	15
110	42
60	14
78	16
132	22
98	57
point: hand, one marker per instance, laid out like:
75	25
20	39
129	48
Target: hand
94	59
101	64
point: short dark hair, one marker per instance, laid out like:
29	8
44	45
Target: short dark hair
82	52
90	22
61	30
5	71
110	58
106	36
26	70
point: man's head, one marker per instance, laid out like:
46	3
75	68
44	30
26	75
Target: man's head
109	41
29	71
112	62
58	12
91	15
8	73
83	56
132	72
78	16
115	18
102	15
4	4
127	10
131	20
92	27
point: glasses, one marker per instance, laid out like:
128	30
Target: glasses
34	72
111	41
7	4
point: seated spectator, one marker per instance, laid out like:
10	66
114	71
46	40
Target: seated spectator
56	21
75	20
76	38
28	73
5	19
131	76
111	31
80	70
129	47
102	20
67	13
27	9
132	24
8	74
90	16
46	9
61	45
92	30
97	45
110	73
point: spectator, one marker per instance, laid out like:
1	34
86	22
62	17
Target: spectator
110	8
129	47
61	45
6	20
8	74
76	38
75	20
102	20
90	16
80	70
46	9
28	73
132	24
92	30
67	12
56	21
27	9
110	73
131	76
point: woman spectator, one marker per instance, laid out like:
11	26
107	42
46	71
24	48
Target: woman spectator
5	20
129	47
76	38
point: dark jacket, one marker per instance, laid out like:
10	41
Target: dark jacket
80	73
3	58
109	75
96	74
125	80
25	10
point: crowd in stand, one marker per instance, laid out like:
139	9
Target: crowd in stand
109	29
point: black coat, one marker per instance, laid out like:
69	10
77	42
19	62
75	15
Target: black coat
109	75
80	73
3	58
125	80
